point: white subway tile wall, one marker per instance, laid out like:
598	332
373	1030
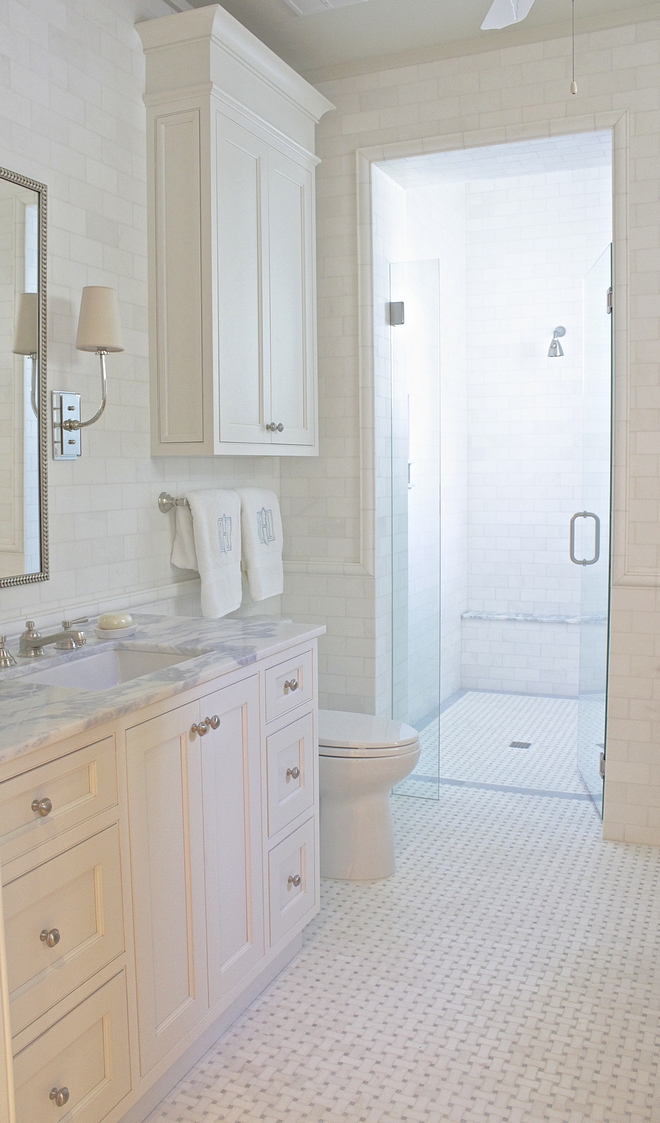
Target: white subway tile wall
72	117
504	95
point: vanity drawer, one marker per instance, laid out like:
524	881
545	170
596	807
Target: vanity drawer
85	1054
77	898
290	765
75	787
289	684
292	880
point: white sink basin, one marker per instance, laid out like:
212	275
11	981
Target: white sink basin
103	669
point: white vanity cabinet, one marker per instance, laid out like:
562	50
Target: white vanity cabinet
195	822
232	227
157	874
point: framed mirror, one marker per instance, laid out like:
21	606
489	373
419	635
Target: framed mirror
23	424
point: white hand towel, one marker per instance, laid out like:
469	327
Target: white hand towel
216	526
184	555
261	536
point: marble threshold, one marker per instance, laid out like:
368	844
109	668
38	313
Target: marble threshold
531	618
33	715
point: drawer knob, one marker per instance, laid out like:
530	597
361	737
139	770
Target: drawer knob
43	807
50	937
290	684
294	773
295	879
202	727
60	1096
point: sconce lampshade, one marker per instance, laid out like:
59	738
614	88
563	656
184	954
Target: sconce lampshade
26	334
99	328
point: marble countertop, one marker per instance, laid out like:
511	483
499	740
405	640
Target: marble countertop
33	715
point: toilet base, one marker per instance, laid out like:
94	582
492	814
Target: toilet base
357	835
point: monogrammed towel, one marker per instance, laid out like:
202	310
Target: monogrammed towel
208	539
261	536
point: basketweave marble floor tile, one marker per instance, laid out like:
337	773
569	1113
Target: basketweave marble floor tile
472	739
507	972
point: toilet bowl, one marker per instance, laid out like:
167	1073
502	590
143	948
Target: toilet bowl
361	758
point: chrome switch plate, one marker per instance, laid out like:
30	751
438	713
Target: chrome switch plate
66	445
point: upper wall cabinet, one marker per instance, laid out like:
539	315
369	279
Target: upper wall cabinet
231	236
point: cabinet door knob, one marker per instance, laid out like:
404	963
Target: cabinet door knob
295	879
291	684
60	1096
43	807
294	773
50	937
272	427
201	728
214	721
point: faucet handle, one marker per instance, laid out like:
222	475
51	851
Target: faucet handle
30	629
72	623
6	658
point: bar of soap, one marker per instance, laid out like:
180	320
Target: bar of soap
115	620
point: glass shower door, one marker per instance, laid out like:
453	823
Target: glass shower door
416	546
590	528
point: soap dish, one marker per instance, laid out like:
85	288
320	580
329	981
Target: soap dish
116	633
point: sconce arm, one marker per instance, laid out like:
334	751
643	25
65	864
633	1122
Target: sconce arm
72	426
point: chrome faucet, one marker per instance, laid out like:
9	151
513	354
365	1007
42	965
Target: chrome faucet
32	643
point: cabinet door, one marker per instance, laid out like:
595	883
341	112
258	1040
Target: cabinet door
232	830
167	854
292	312
240	283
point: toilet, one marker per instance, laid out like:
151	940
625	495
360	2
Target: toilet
361	758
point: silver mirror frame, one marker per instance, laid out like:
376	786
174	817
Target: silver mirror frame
44	573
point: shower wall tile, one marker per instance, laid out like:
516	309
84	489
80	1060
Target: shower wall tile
521	657
531	241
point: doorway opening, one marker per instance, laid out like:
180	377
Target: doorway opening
495	270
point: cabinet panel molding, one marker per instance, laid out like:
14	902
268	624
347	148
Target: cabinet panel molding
86	1052
78	786
167	855
78	895
178	274
231	774
231	205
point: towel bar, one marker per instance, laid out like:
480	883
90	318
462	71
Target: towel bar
166	502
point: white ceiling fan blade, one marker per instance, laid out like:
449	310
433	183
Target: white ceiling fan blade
503	13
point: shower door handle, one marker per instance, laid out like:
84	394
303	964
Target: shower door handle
585	561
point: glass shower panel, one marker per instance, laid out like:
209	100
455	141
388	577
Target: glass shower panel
590	528
416	624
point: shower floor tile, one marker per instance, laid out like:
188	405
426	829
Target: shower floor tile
506	974
475	743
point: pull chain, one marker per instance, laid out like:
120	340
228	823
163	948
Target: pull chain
574	88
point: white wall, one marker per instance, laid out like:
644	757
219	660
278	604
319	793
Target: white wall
495	96
71	116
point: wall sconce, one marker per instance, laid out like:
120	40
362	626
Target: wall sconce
99	330
26	336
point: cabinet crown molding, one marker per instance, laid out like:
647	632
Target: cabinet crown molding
205	39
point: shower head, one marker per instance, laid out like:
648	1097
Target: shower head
556	350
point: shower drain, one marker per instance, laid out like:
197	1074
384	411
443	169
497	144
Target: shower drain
520	745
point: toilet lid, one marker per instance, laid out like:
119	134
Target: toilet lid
342	731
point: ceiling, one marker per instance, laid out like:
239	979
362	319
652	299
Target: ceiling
352	39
